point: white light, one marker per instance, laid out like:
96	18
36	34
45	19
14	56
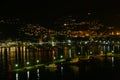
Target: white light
112	59
28	74
96	41
79	53
37	70
54	58
16	76
69	41
61	67
16	65
86	42
69	44
61	56
37	61
28	63
65	24
106	42
53	43
38	75
40	43
70	54
90	52
112	51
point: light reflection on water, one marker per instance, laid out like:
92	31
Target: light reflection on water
28	74
38	75
17	76
20	57
71	72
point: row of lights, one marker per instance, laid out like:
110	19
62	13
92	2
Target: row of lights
28	63
16	65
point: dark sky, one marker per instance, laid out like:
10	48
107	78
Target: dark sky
44	11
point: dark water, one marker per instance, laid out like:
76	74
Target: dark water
94	69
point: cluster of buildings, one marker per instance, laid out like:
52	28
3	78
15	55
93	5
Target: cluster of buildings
64	27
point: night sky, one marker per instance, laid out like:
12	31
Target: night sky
44	12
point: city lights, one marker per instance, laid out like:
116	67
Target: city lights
59	40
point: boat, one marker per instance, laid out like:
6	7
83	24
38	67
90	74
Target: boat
51	66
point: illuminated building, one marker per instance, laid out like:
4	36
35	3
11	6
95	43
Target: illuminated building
86	26
35	32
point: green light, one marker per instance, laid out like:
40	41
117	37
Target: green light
28	63
69	41
16	65
112	51
61	56
90	52
79	53
37	61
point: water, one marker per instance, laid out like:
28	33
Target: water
91	69
95	68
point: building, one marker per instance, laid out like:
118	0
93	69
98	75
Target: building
85	26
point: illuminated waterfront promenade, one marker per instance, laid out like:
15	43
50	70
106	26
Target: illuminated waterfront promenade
15	56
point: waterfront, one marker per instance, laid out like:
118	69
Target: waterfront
73	62
97	69
59	40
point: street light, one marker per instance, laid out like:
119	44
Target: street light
16	65
61	56
28	63
37	61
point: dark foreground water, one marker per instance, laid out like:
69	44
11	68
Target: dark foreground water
94	69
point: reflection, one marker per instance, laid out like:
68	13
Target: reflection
75	69
70	55
113	49
38	75
81	48
29	56
37	61
51	67
104	49
16	76
113	62
108	48
28	75
61	69
26	56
